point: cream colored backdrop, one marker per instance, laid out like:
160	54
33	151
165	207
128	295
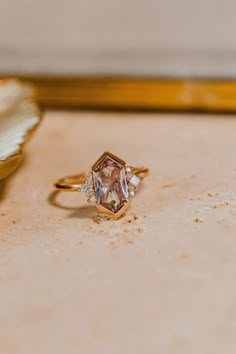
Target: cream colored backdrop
160	37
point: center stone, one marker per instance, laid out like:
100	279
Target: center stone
110	184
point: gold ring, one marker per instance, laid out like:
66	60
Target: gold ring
109	185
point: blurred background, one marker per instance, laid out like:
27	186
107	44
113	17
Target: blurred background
123	54
158	38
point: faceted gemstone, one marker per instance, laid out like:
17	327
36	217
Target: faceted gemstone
135	180
110	184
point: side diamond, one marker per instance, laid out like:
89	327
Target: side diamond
91	198
135	180
132	181
88	188
85	188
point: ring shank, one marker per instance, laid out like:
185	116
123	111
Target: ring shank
73	183
141	172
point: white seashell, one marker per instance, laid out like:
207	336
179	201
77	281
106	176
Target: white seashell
19	116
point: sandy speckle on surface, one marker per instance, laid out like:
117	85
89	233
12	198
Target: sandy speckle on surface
198	220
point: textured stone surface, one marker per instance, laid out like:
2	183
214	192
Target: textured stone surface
159	280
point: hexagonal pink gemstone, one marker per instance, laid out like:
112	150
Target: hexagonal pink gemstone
110	184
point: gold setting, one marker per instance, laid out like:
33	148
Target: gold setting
78	183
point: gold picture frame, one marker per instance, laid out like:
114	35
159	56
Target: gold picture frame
133	93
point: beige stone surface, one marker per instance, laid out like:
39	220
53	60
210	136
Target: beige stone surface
163	282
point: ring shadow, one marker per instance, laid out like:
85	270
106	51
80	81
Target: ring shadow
83	212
